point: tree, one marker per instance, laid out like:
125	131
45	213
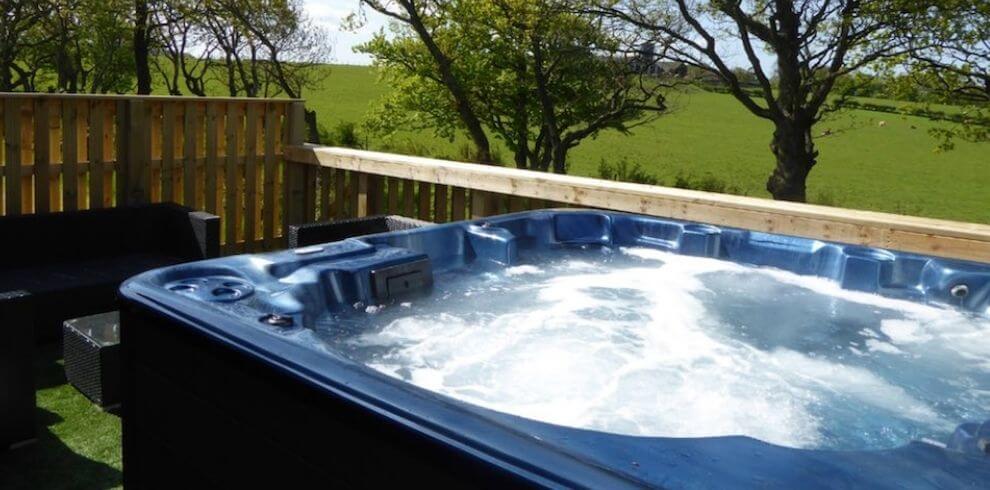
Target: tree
18	34
177	34
424	18
86	48
950	60
292	48
813	43
537	75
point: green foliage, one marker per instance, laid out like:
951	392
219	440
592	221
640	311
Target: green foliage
528	71
624	171
74	46
707	182
950	61
344	133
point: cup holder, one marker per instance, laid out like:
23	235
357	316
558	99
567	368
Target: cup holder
221	289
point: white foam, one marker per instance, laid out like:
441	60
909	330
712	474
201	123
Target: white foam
633	349
523	269
875	345
903	331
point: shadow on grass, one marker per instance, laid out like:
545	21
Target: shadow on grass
63	416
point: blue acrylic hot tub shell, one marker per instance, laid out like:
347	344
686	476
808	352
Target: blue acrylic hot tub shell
335	276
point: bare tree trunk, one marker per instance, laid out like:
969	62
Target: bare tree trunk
141	47
796	155
461	102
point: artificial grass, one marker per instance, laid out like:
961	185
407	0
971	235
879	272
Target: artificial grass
78	444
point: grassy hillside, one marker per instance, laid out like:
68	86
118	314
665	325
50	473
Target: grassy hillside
862	165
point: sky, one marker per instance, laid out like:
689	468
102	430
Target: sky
331	13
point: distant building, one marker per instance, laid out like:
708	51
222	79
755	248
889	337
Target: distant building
645	61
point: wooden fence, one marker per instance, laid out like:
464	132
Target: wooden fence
342	182
243	159
222	155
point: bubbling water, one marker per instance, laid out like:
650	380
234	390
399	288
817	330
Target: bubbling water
642	342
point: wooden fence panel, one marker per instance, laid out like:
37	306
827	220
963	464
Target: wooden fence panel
224	155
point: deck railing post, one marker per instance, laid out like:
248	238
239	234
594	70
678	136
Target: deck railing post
294	193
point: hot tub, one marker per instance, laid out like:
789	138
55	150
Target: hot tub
560	349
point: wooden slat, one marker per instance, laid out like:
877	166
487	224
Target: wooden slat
27	155
251	175
271	136
3	170
212	146
190	135
70	157
42	156
393	196
440	204
294	194
12	149
259	181
340	193
109	154
326	190
168	151
155	123
231	211
457	204
139	183
359	194
82	155
408	198
122	124
376	201
480	202
309	188
517	204
423	211
96	154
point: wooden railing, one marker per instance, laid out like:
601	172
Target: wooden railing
243	159
338	182
222	155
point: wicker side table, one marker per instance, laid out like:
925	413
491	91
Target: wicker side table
91	349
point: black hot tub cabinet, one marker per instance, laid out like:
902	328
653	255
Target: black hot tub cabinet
215	395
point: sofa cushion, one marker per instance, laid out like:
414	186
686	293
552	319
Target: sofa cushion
69	290
47	278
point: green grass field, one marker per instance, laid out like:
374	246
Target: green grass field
862	165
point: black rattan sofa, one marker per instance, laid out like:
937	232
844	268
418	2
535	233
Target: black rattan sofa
65	265
332	231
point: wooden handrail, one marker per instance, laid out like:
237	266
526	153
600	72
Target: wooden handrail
970	241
